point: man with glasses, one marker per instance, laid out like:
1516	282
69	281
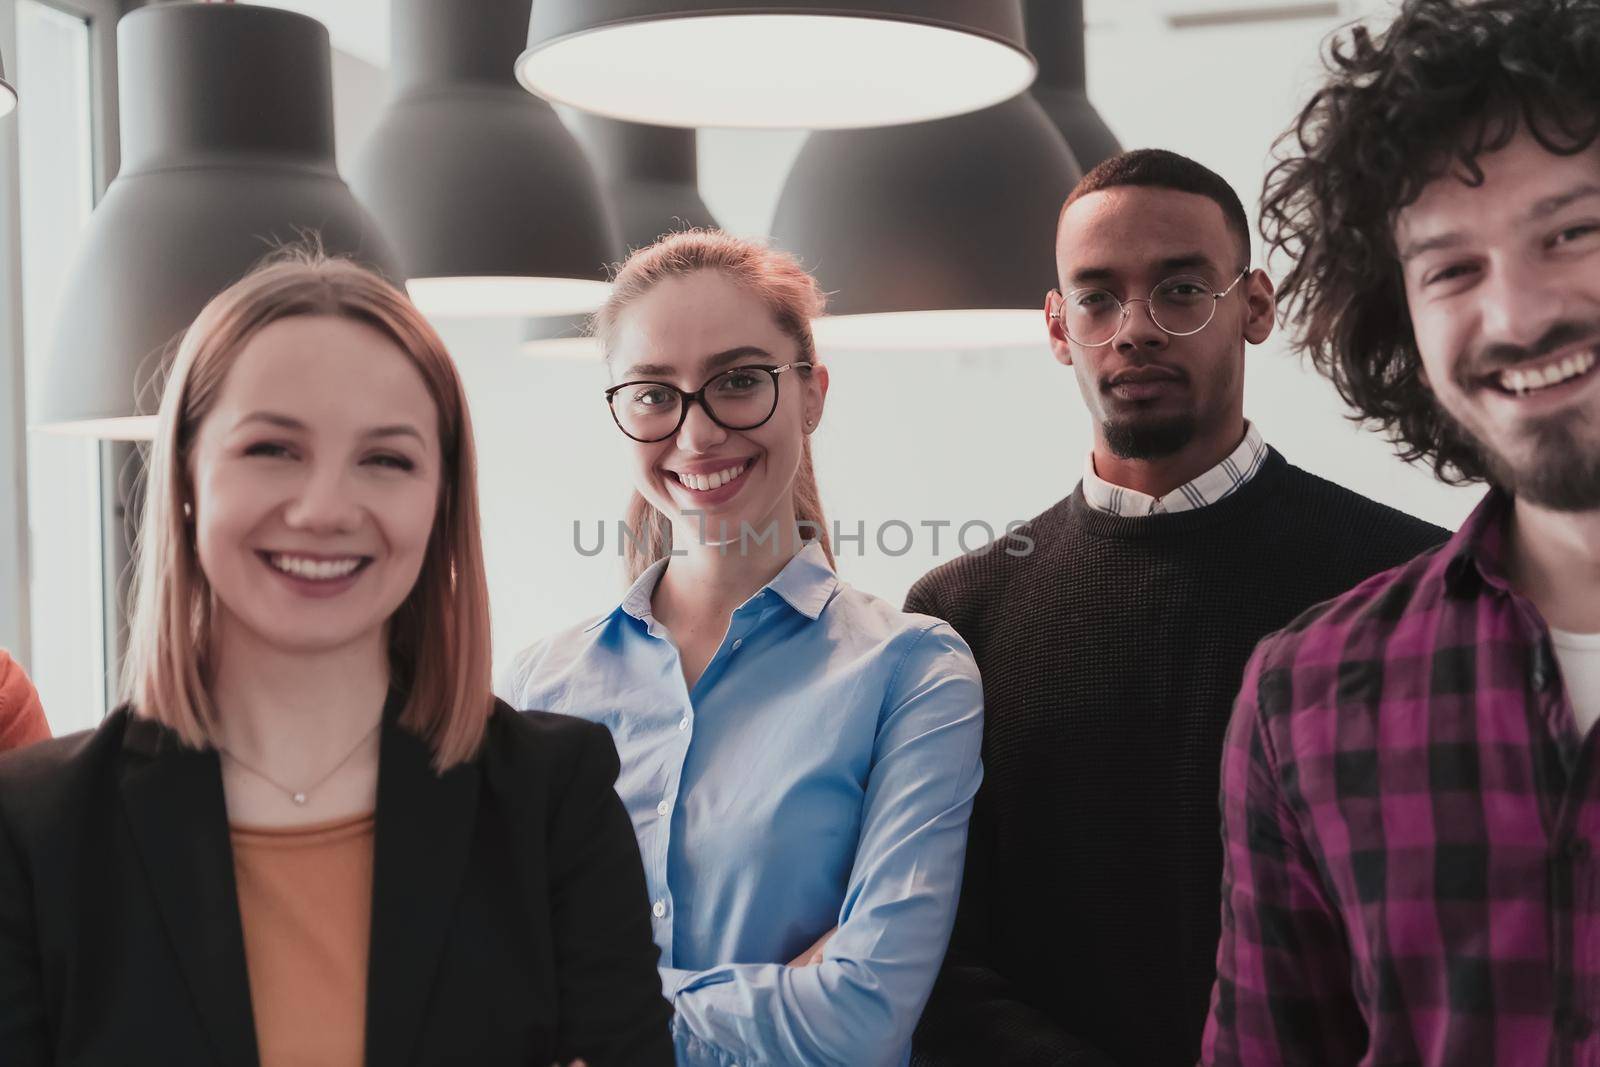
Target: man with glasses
1110	653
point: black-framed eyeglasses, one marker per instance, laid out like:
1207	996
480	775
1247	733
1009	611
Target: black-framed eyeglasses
1179	306
740	398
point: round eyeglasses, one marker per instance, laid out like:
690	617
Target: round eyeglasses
1178	306
740	398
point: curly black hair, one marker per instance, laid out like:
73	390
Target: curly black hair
1445	83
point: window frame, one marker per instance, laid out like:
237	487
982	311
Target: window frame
15	569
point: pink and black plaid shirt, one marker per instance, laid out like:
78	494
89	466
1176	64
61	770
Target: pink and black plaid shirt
1410	822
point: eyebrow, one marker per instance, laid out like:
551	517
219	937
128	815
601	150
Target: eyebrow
1541	209
1551	204
1182	261
710	363
289	422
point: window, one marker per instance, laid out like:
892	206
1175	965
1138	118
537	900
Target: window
56	79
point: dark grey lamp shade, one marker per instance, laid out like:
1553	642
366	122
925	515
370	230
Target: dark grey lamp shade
227	152
937	234
818	64
491	200
650	175
1056	37
563	337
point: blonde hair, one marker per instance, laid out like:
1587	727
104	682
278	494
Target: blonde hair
439	650
793	297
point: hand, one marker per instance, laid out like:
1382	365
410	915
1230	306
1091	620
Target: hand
813	955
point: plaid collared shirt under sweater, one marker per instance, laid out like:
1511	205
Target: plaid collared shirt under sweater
1236	468
1410	825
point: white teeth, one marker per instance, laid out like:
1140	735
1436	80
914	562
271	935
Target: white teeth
1532	379
704	483
314	569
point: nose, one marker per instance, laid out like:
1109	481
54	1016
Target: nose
324	503
1138	330
698	432
1516	304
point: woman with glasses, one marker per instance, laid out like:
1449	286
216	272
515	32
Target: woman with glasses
799	758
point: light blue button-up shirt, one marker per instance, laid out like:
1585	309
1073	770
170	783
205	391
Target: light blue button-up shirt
820	773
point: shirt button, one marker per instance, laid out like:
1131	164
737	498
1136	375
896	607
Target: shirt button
663	807
737	641
660	909
683	723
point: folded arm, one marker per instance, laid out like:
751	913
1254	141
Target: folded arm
859	1004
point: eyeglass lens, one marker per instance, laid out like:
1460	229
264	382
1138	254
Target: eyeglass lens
740	399
1178	306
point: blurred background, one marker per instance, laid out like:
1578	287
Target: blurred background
983	430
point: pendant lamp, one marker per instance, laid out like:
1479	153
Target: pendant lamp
227	153
816	64
650	174
561	337
491	200
934	235
8	92
1056	38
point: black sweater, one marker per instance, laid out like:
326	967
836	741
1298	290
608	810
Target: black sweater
1111	654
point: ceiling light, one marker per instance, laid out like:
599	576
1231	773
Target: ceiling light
1056	37
490	199
650	175
935	235
817	64
227	152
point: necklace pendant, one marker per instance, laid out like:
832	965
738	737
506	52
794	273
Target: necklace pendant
300	799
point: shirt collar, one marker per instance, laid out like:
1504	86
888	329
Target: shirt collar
806	584
1237	468
807	581
1477	552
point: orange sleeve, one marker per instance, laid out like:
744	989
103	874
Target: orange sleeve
22	720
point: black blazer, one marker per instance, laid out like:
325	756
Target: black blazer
509	910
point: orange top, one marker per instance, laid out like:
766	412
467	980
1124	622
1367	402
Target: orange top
305	899
21	716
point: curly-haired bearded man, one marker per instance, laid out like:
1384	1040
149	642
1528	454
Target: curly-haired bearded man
1411	784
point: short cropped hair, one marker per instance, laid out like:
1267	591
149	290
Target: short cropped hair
1446	83
1160	169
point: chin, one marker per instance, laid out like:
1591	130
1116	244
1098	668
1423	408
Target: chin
302	633
1152	437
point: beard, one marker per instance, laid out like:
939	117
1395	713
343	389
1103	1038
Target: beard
1561	469
1137	438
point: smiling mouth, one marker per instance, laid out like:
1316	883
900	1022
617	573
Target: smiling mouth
315	570
705	483
1529	379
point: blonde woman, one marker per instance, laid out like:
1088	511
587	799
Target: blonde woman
311	836
799	758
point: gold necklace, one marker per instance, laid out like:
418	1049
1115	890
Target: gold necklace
302	797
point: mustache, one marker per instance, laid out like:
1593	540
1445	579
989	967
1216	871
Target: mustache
1146	372
1495	357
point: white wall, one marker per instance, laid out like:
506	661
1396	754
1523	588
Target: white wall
919	436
